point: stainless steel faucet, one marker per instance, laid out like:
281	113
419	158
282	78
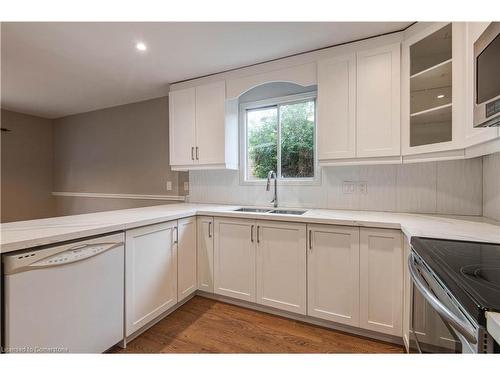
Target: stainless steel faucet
270	175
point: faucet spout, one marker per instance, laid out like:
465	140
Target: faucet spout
270	175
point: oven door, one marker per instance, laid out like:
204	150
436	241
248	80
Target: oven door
437	323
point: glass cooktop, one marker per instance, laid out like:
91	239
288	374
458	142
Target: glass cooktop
470	271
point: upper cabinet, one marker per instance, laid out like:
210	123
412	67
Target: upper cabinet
359	106
337	108
203	128
378	102
433	89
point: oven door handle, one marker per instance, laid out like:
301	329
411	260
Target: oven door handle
460	325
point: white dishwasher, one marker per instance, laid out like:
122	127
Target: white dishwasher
65	299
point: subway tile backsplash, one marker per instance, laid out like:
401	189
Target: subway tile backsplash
448	187
491	186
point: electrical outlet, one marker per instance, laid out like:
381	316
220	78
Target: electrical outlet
348	187
186	186
363	187
169	185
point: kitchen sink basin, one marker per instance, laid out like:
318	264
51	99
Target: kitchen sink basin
287	212
247	209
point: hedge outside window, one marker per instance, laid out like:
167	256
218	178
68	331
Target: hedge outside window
289	125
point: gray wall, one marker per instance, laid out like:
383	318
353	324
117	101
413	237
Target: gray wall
122	149
115	150
26	177
491	186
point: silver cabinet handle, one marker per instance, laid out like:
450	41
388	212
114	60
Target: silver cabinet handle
258	233
310	239
197	153
176	235
251	233
209	229
460	325
192	153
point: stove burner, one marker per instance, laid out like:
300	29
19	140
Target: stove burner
487	275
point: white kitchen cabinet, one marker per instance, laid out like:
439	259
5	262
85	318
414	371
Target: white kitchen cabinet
337	108
378	102
281	265
234	258
381	280
203	128
182	134
433	96
406	294
205	254
186	258
333	273
210	123
151	273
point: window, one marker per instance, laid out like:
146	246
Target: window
279	134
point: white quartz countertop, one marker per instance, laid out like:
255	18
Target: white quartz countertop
32	233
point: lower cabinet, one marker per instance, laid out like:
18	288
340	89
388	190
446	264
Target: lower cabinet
151	273
234	258
406	295
381	280
281	265
205	253
333	273
186	258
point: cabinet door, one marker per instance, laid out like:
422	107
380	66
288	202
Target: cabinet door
210	123
336	108
378	102
381	280
182	137
186	258
150	273
234	258
281	265
205	253
333	273
406	295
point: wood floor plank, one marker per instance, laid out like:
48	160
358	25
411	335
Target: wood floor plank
203	325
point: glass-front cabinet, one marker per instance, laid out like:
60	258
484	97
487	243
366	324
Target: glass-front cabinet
433	104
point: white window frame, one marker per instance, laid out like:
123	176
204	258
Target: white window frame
289	99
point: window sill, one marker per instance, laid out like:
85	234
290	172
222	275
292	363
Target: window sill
289	182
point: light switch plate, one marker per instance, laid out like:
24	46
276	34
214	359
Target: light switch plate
186	186
169	185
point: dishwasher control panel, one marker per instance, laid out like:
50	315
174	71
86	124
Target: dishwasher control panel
59	255
73	255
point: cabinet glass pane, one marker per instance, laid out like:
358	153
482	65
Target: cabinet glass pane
432	50
431	127
431	88
431	68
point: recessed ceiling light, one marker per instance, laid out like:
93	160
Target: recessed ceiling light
440	96
141	46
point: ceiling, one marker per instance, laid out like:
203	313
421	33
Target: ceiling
55	69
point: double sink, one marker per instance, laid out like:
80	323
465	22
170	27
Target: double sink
270	211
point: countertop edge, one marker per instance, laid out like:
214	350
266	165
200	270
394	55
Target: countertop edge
410	224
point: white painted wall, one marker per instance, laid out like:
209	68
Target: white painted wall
449	187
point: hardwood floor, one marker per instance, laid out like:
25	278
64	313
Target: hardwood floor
203	325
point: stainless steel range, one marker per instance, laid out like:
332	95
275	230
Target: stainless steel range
453	284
